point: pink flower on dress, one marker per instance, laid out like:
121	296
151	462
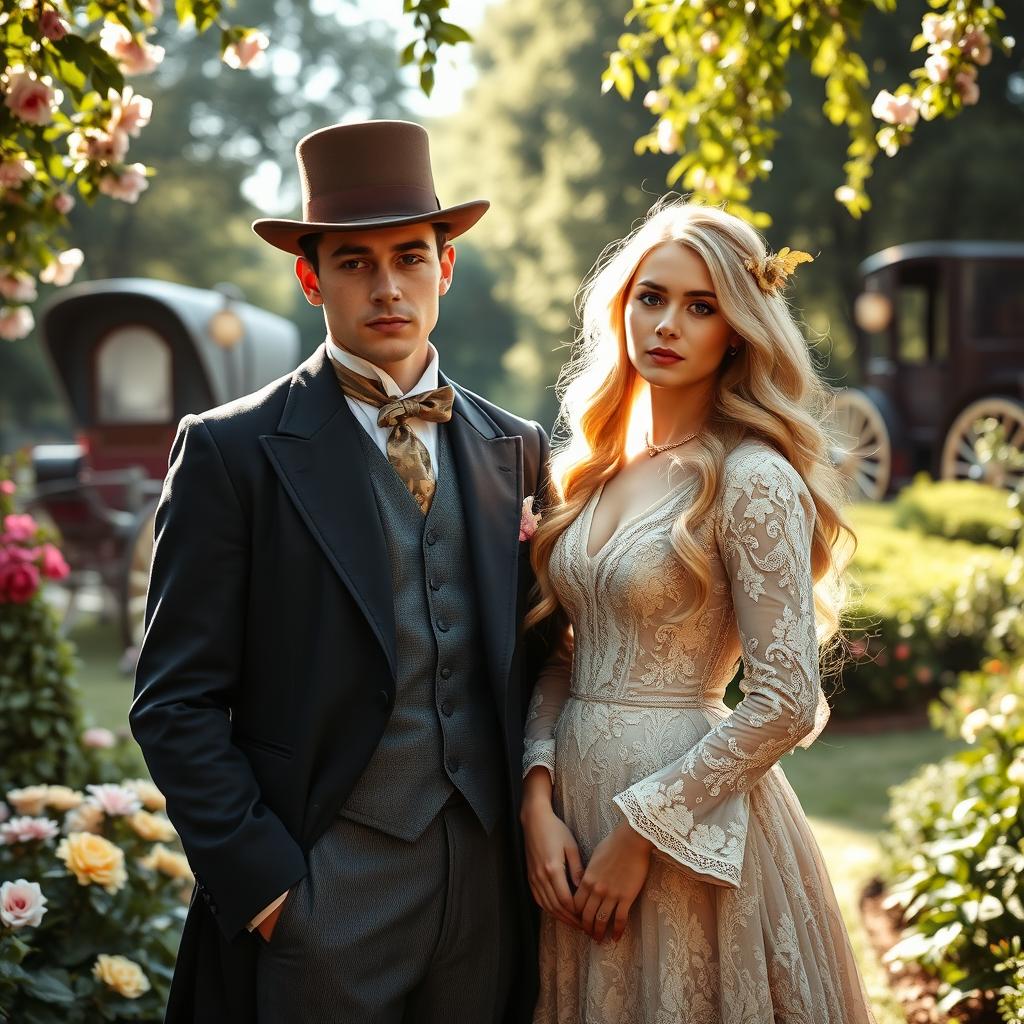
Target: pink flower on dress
98	738
54	566
19	527
27	830
247	52
30	99
115	800
528	520
22	904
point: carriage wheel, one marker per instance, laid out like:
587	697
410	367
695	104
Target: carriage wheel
862	448
135	578
960	458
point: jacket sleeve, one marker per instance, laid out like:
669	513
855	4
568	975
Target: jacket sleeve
190	673
696	809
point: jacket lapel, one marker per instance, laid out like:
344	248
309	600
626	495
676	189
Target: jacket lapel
490	471
319	459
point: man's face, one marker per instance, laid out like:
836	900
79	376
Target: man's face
380	289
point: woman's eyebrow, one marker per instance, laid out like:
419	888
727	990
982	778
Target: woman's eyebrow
655	287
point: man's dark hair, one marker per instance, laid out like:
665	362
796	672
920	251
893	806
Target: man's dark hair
309	243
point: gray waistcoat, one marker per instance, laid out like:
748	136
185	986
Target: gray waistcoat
443	733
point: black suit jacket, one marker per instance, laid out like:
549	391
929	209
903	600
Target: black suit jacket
267	674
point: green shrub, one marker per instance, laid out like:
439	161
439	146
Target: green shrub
959	510
955	851
922	611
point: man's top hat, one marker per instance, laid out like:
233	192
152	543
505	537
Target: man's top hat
370	175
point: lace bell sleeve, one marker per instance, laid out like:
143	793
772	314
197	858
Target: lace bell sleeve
549	695
696	809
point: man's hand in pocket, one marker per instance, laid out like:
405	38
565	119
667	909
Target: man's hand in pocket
269	923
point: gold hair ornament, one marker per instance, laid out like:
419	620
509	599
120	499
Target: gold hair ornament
771	272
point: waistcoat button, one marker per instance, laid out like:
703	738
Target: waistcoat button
447	708
446	673
442	624
435	584
431	537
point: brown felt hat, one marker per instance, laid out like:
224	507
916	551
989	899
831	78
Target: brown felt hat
370	175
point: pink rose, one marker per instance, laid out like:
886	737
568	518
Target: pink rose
967	85
135	56
53	26
126	186
63	203
924	675
937	29
62	270
130	112
18	583
15	322
54	566
16	172
895	109
246	52
901	652
105	147
937	66
7	487
17	286
19	528
22	904
98	738
114	800
30	99
976	46
528	520
27	830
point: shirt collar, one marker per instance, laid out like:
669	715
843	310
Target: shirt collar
428	382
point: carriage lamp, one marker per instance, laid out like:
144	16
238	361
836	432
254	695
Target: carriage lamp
225	327
872	311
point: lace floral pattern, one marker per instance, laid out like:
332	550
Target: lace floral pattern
737	923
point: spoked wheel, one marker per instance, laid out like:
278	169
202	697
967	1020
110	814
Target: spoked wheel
862	448
964	458
135	579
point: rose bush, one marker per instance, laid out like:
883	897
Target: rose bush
92	899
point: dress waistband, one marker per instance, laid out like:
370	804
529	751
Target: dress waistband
665	701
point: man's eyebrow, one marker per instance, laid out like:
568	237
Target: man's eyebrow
655	287
364	250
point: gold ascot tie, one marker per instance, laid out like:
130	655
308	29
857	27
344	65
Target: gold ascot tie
406	452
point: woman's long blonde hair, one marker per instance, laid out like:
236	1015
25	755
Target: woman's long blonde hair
770	391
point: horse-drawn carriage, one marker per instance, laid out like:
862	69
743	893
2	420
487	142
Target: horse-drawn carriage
941	351
132	357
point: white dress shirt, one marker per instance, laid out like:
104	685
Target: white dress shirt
366	414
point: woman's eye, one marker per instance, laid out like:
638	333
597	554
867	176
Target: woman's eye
702	309
655	300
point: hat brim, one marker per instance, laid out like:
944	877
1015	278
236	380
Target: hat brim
285	234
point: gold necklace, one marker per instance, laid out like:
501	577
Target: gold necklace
657	449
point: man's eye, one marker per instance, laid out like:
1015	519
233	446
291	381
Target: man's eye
410	259
351	264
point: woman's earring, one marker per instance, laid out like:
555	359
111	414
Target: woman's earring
733	350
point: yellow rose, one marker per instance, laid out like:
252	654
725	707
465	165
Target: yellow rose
124	976
93	860
152	827
167	862
87	817
151	797
63	798
31	800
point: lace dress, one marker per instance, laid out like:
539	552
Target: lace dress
737	922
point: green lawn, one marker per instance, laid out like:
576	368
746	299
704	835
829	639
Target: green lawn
842	782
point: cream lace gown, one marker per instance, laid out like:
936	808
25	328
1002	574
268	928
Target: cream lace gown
737	922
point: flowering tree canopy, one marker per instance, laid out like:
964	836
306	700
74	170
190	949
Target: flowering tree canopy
68	117
721	71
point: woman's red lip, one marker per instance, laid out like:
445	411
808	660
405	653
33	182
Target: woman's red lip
664	352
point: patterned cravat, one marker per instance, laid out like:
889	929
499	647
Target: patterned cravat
406	452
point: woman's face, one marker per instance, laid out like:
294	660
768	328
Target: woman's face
676	335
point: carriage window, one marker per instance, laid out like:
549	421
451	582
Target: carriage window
912	324
133	369
995	299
